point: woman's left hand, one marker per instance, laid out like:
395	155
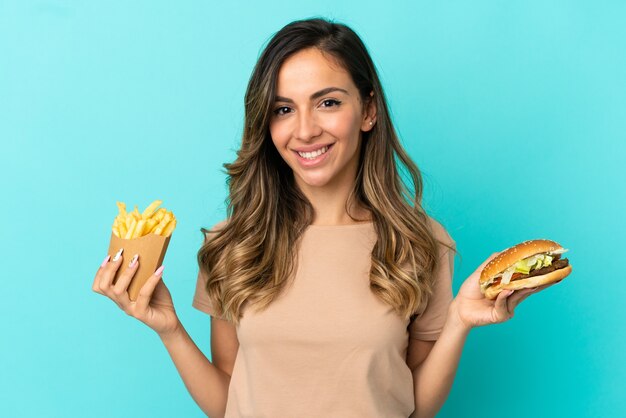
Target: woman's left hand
474	310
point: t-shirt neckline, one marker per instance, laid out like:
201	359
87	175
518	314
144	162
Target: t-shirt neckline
342	226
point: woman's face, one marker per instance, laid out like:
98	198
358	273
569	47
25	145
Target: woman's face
318	110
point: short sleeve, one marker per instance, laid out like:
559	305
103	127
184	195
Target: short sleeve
201	299
428	325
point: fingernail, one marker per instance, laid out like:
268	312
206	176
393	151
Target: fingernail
118	254
133	261
106	260
159	271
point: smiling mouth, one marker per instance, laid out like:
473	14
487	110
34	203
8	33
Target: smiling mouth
312	155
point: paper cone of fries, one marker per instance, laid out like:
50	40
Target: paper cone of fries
147	234
151	249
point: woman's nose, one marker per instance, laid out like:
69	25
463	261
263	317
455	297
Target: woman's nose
307	127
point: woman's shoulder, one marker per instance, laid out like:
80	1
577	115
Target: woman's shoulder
439	231
219	225
208	233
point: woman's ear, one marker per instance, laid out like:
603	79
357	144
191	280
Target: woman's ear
369	114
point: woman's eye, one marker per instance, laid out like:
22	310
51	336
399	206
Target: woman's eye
277	111
333	101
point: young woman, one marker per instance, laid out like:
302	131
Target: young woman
329	287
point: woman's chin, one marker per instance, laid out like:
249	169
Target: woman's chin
313	181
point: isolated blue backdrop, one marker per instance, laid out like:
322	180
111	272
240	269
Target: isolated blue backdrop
515	111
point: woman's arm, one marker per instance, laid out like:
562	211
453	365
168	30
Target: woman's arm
432	379
207	384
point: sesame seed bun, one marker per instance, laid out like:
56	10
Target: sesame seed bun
509	257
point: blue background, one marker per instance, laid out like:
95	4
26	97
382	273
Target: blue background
515	111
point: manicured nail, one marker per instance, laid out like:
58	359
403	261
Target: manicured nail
133	261
159	271
118	254
106	260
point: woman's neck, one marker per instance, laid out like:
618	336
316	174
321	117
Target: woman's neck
329	205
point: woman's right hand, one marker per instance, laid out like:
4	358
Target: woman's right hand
153	307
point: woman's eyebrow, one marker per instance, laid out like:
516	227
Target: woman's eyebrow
314	95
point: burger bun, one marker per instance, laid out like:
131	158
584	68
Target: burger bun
535	281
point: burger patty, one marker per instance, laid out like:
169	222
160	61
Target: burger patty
558	263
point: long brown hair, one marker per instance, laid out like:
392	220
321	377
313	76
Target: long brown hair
250	258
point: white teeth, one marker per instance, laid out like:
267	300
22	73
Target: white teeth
314	154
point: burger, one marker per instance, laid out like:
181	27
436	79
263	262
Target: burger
528	264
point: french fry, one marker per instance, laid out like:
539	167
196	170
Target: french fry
150	209
150	225
122	229
115	228
166	219
138	232
136	213
131	230
122	208
169	228
159	214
